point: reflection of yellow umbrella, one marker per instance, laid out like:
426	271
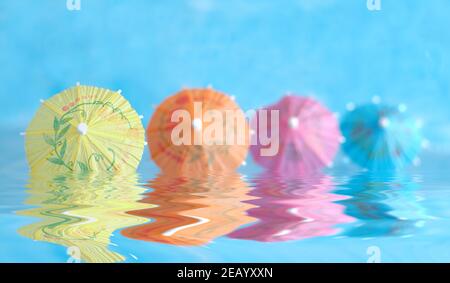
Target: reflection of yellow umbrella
82	211
192	210
85	129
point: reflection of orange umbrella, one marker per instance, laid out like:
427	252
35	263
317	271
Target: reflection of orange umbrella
209	142
192	211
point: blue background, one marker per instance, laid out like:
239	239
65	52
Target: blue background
338	51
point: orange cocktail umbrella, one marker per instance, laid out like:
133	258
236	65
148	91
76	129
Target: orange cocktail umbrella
197	130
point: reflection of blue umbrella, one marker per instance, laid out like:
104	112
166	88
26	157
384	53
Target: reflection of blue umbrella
380	137
385	205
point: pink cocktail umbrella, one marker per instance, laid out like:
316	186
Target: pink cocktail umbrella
293	208
309	136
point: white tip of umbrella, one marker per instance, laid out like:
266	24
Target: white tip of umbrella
417	162
376	99
244	163
342	139
288	93
252	132
77	83
402	108
145	143
197	124
119	91
350	106
41	100
330	165
384	122
141	116
232	97
425	144
22	133
293	122
210	86
82	129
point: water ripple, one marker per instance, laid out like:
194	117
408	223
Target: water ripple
293	208
192	210
82	211
385	203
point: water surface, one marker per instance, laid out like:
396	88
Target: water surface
251	215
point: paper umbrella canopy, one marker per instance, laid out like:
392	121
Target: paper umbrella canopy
308	132
83	129
381	137
190	131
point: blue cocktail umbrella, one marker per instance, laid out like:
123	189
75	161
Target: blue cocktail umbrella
381	137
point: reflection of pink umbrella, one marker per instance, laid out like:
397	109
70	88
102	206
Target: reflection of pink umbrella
293	209
309	136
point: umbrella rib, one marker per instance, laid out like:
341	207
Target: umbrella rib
42	159
370	157
115	138
98	148
77	152
50	106
126	161
38	132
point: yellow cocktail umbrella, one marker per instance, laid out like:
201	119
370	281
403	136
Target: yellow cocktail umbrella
82	129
